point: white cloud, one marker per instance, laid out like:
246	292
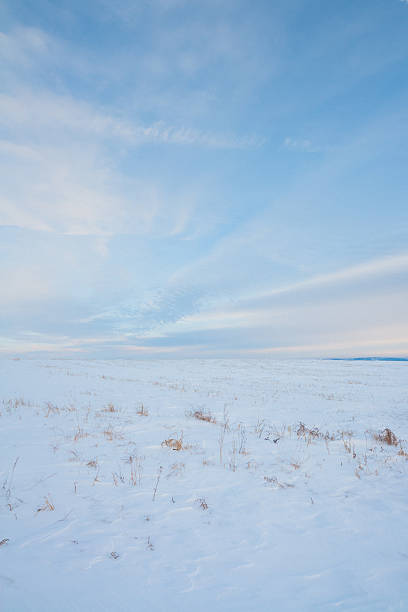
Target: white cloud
23	46
310	322
376	267
61	156
34	112
301	146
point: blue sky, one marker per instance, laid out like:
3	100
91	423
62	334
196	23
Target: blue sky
203	178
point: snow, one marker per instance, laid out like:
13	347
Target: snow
253	512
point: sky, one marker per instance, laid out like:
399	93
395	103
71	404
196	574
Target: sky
203	178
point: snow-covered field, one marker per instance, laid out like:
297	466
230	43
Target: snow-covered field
203	485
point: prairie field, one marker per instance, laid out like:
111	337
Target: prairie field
203	485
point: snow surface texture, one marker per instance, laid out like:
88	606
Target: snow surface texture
203	485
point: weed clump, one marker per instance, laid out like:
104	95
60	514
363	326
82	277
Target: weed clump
202	416
306	432
202	503
80	433
387	437
110	408
142	411
314	433
174	443
48	505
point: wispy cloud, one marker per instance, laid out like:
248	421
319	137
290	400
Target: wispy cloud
300	146
385	265
63	157
166	182
328	314
33	113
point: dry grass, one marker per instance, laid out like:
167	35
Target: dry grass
159	473
142	411
202	503
110	408
176	469
242	450
309	434
175	443
47	506
349	448
272	480
203	416
136	469
149	545
233	457
75	457
110	434
116	477
80	433
387	437
260	427
51	409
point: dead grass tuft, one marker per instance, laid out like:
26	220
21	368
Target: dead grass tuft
308	433
156	485
272	480
260	427
111	435
108	433
386	437
203	416
110	408
142	411
136	469
175	443
51	409
349	447
149	545
176	470
202	503
48	505
80	433
116	477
